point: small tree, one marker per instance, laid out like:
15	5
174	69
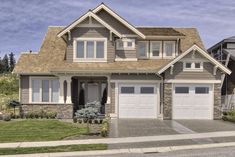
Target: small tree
5	64
90	112
1	65
12	61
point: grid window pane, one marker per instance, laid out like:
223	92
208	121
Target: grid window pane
55	90
129	44
201	90
197	65
156	49
147	90
99	49
36	90
45	90
142	49
127	90
181	90
188	65
169	49
90	49
80	49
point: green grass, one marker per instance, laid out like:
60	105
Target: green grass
38	130
69	148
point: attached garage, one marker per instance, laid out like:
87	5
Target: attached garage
192	101
138	100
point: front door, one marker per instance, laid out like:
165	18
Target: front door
93	92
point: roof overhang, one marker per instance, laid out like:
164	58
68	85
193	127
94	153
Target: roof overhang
83	17
201	51
164	37
119	18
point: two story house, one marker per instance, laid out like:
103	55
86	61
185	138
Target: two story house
135	72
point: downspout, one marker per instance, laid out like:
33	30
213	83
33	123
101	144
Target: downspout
161	93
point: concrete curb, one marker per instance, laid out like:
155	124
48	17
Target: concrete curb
128	151
120	140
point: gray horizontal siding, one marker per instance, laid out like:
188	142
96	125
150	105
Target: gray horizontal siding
134	77
123	54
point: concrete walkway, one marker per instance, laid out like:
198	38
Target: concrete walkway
128	151
121	140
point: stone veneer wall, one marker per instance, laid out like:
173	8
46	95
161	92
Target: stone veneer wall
217	101
167	107
64	111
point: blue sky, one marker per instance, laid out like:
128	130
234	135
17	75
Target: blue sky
23	23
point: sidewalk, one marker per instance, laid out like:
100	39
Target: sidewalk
121	140
128	151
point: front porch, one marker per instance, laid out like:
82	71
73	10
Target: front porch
79	90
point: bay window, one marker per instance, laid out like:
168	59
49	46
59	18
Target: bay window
143	49
44	90
90	49
169	49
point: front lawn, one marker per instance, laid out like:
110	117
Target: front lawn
38	130
68	148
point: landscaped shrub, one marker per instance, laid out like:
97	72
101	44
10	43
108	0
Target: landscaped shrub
6	117
40	114
105	128
231	113
51	115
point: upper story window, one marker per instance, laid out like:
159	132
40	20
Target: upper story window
90	49
125	44
155	49
169	49
193	66
230	45
143	49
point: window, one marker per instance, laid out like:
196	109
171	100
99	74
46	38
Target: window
169	48
143	49
201	90
127	90
45	90
193	66
125	44
155	49
230	45
181	90
146	90
90	49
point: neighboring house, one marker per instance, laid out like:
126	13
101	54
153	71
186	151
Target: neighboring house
136	72
224	52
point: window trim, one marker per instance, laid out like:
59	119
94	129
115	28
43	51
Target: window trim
147	50
85	59
193	66
174	49
160	51
40	90
125	44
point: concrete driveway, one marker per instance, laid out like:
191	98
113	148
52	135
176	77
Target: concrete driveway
153	127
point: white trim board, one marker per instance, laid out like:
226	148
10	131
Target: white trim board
135	81
201	51
192	81
124	22
89	14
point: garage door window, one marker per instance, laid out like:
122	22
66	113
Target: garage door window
201	90
147	90
127	90
181	90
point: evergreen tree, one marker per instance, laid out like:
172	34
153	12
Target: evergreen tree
5	63
12	61
1	66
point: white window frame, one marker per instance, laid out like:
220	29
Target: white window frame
147	51
151	50
85	59
40	90
174	49
125	44
193	66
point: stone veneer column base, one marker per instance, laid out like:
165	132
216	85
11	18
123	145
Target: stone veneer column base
64	111
167	106
217	102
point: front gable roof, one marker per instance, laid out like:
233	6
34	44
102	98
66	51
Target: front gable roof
203	53
82	18
119	18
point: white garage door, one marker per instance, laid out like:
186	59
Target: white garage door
192	101
137	101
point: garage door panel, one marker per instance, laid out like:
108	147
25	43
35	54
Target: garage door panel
196	104
140	104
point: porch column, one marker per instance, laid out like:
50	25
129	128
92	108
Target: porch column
61	97
109	90
69	80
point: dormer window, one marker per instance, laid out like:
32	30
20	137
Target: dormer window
90	49
125	44
193	66
169	49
